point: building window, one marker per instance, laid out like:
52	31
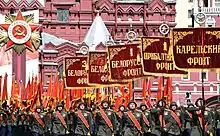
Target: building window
204	75
194	88
130	15
141	16
206	3
218	88
217	3
189	13
135	83
218	76
119	16
186	77
211	88
12	11
23	10
62	15
177	88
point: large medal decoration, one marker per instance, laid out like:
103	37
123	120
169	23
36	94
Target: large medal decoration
19	33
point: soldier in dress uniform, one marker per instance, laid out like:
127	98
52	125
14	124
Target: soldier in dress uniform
59	121
3	123
132	121
213	114
146	119
83	121
157	112
207	118
48	115
105	120
38	122
27	121
195	114
93	111
11	120
218	123
187	120
121	110
173	120
21	123
71	113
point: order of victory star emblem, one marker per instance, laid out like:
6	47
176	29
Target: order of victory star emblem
19	33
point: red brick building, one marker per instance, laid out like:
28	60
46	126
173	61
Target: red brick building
72	19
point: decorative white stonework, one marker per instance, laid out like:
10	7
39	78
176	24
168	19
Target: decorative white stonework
210	21
194	87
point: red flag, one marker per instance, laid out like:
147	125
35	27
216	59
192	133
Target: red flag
170	90
149	88
12	87
122	90
0	86
23	92
165	93
36	100
50	86
5	89
160	89
130	91
30	90
67	98
61	90
144	90
55	93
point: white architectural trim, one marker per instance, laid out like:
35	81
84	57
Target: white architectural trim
218	78
200	75
218	87
177	88
198	92
195	87
188	79
50	51
213	3
212	87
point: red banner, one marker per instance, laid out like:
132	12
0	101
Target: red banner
196	48
124	62
98	73
157	57
76	75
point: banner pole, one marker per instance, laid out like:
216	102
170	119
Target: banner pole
203	91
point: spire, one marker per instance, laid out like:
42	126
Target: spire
98	33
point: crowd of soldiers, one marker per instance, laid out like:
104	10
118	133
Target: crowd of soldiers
101	120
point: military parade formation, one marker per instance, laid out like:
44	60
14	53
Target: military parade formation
101	120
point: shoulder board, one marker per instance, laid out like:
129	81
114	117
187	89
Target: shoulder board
87	112
110	110
138	110
166	110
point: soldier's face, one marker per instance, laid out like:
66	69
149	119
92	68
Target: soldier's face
38	110
122	108
105	105
60	108
82	107
143	107
132	106
173	107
